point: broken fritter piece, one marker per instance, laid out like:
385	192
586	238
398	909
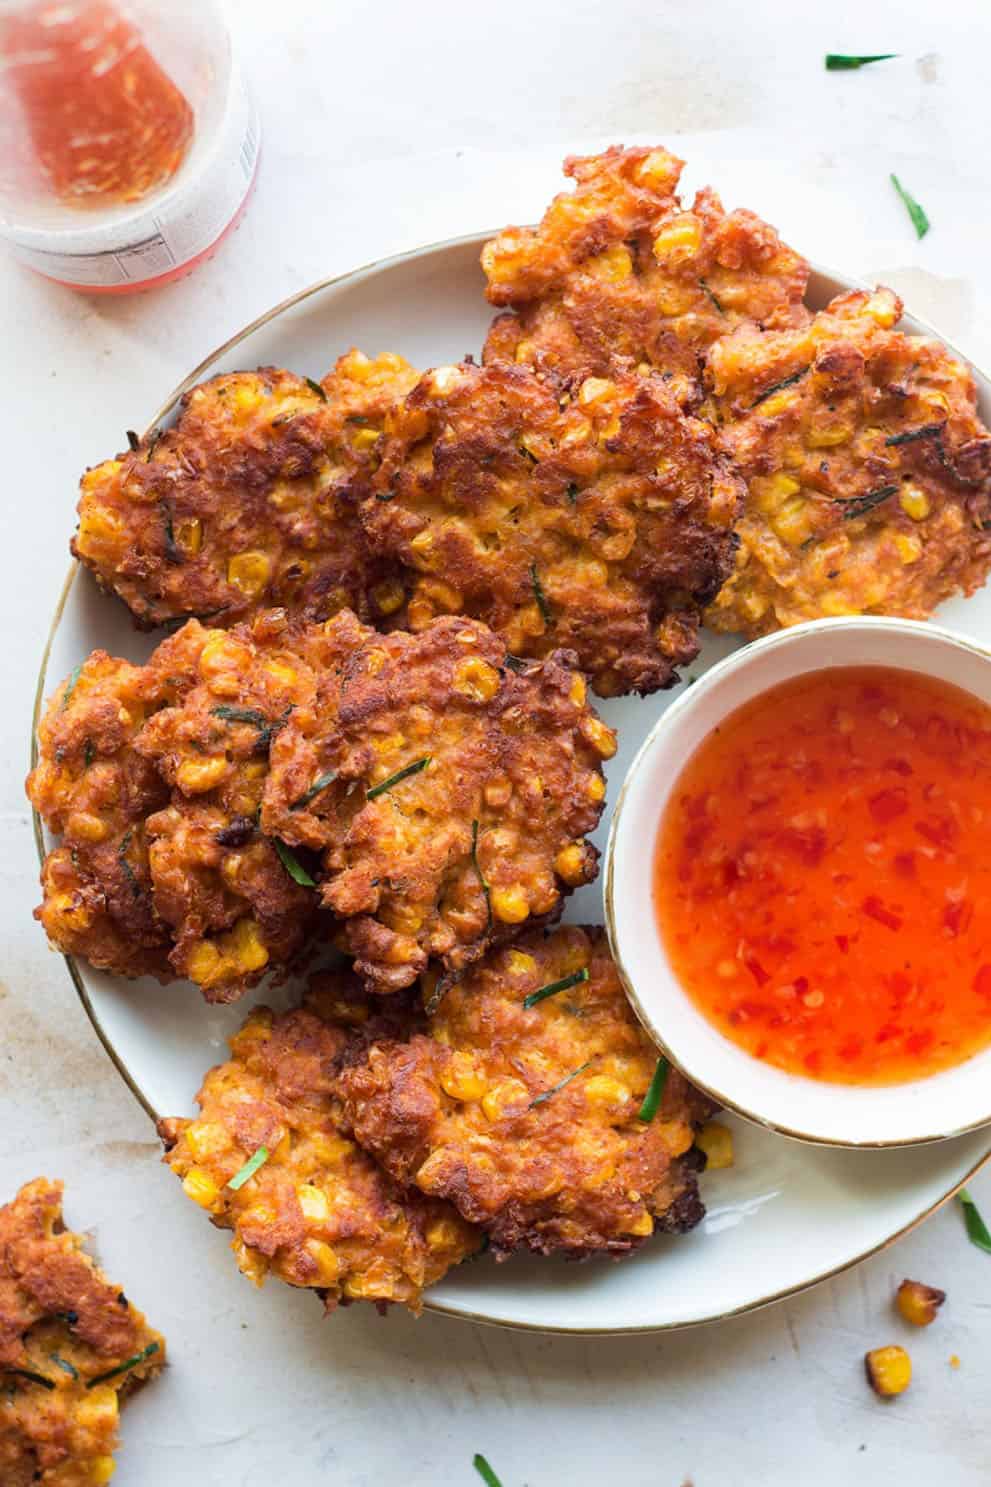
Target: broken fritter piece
527	1118
448	788
618	278
72	1347
601	523
248	501
219	883
868	469
315	1210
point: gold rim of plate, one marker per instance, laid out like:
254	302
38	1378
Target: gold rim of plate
376	266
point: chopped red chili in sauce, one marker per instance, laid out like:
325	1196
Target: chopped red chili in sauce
823	878
106	123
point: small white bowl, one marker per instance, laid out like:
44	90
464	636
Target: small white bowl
929	1109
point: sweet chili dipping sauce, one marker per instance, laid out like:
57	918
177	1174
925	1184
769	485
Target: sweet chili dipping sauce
823	876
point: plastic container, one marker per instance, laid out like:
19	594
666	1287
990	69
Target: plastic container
128	139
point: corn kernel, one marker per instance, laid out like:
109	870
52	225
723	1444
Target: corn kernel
659	172
678	240
444	379
518	963
771	491
677	1135
205	1139
778	402
914	502
388	597
200	1186
500	1097
578	691
606	1092
101	1469
189	535
836	604
194	776
884	308
87	827
245	946
476	679
602	739
594	389
313	1202
595	788
99	528
828	436
917	1303
249	572
203	962
613	265
792	522
498	792
365	439
570	862
444	1234
889	1370
461	1080
908	547
327	1263
249	1261
510	905
644	1225
717	1142
97	1408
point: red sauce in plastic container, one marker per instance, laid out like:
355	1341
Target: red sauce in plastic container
823	876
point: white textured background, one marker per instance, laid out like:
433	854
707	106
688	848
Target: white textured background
385	127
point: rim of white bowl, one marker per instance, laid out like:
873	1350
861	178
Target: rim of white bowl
689	700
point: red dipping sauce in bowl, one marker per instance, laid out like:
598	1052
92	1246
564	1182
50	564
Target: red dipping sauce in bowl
822	876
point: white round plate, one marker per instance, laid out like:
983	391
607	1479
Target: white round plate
785	1215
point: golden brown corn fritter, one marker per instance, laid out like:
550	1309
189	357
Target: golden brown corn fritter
448	790
619	278
600	522
72	1346
869	471
249	500
526	1119
317	1212
175	787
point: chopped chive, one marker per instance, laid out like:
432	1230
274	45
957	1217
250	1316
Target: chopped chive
555	986
516	663
854	506
134	443
125	866
156	434
919	219
65	1365
33	1378
655	1092
531	459
315	387
240	715
708	292
70	687
481	876
172	553
400	774
540	596
292	865
89	753
485	1471
572	494
357	418
249	1169
320	783
839	62
977	1229
925	432
777	387
539	1099
112	1373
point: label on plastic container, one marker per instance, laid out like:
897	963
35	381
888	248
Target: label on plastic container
174	230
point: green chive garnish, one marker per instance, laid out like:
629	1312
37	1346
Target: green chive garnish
838	62
292	865
919	219
655	1092
481	876
539	1099
485	1471
172	553
320	783
70	686
540	596
316	388
249	1169
133	442
575	979
125	866
925	432
855	506
516	663
33	1378
709	294
65	1366
112	1373
89	753
240	715
400	774
777	387
977	1229
572	494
